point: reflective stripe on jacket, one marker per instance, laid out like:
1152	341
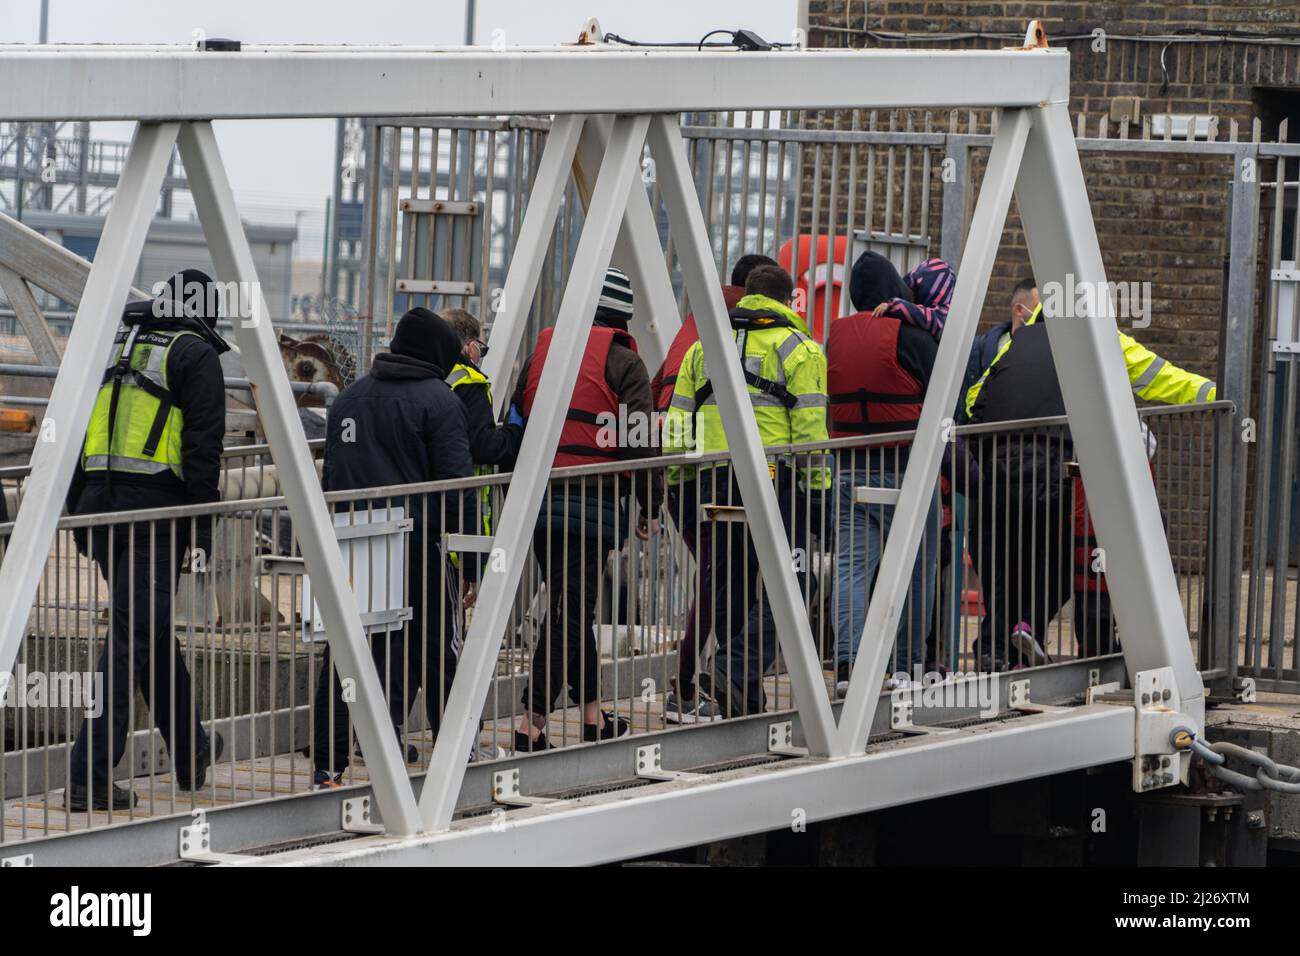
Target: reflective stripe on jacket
1153	378
146	424
786	374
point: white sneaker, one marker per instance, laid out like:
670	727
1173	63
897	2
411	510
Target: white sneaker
690	710
1027	646
481	752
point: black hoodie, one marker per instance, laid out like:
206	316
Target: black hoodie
401	424
875	280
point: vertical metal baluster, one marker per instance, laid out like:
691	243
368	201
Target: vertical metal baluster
395	152
795	121
725	252
832	232
889	176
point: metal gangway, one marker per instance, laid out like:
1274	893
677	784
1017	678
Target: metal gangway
661	787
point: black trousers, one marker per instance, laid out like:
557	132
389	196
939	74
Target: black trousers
683	505
1023	559
1035	551
1094	623
141	563
573	539
741	612
423	654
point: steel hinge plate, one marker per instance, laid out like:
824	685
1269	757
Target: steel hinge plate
649	765
505	791
901	705
357	817
1018	699
780	740
196	847
1156	763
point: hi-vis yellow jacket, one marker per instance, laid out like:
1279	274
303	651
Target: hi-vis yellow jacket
786	372
1153	378
463	374
135	427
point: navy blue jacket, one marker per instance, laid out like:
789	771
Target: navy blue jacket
399	425
982	352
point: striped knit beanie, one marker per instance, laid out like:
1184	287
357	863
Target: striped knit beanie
616	293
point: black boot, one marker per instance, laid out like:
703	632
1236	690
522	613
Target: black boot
201	764
77	798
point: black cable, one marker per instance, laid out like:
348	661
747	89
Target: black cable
700	45
713	33
615	38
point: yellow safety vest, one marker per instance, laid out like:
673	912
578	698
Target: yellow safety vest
786	374
146	425
462	374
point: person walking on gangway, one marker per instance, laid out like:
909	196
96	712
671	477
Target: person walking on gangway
154	440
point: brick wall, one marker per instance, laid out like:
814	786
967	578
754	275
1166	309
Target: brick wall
1162	219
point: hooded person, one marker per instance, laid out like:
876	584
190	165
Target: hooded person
154	440
878	371
930	286
401	424
874	280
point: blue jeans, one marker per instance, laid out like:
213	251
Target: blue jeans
860	538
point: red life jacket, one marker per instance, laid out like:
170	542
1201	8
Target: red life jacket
665	379
870	392
592	396
1085	542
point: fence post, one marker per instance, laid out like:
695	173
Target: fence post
1225	562
1237	348
956	180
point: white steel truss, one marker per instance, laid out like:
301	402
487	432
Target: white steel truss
636	97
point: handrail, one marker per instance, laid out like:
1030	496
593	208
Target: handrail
476	482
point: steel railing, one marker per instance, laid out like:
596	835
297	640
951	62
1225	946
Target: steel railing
604	621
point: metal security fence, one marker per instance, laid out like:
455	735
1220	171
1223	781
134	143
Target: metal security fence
615	620
815	188
450	199
1272	606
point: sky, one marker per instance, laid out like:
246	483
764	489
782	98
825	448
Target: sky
279	166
